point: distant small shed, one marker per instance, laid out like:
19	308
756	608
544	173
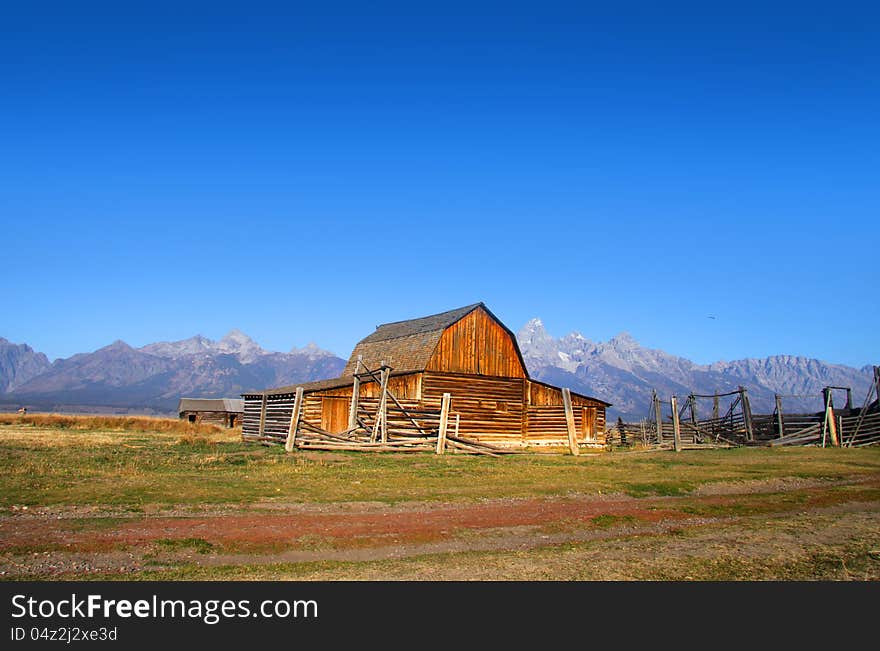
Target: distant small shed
225	412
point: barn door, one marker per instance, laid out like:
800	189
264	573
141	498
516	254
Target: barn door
334	414
588	423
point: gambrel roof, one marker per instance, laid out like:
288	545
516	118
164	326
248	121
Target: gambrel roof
406	345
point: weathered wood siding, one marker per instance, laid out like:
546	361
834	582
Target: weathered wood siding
503	411
250	424
328	408
335	403
405	387
479	345
219	418
490	408
545	416
278	411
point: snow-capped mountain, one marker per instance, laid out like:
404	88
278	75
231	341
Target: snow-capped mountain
234	343
624	373
152	378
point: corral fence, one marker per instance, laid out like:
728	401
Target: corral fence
726	420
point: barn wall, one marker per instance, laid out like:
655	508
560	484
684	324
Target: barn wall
477	344
491	409
545	417
548	424
327	409
542	395
250	423
404	387
499	410
219	418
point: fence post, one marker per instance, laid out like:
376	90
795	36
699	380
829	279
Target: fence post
676	426
569	422
830	423
355	396
877	383
294	420
658	417
780	423
444	421
747	413
262	429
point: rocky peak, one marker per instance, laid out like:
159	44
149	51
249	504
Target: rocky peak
311	350
18	364
533	332
623	341
238	343
175	349
116	346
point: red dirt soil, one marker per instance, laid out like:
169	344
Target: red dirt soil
351	529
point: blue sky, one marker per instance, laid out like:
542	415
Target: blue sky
181	168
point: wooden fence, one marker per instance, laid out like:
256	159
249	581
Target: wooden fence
692	423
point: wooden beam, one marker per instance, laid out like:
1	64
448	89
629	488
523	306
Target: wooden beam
262	430
747	413
692	399
877	383
379	425
355	395
676	425
830	421
780	422
294	420
390	394
569	421
658	417
444	422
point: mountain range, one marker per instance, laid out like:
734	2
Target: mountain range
151	379
625	373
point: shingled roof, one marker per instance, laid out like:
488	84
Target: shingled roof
319	385
406	346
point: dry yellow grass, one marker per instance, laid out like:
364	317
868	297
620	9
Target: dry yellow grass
109	423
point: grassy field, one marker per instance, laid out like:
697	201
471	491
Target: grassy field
91	497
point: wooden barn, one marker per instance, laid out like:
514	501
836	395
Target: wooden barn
225	412
396	379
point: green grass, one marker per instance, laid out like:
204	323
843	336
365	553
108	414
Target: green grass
132	470
607	520
198	545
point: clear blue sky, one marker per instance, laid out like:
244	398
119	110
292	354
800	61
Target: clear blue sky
181	168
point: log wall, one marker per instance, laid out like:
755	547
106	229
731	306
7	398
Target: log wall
497	410
490	408
546	416
219	418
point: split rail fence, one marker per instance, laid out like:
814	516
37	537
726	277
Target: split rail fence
697	423
383	425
